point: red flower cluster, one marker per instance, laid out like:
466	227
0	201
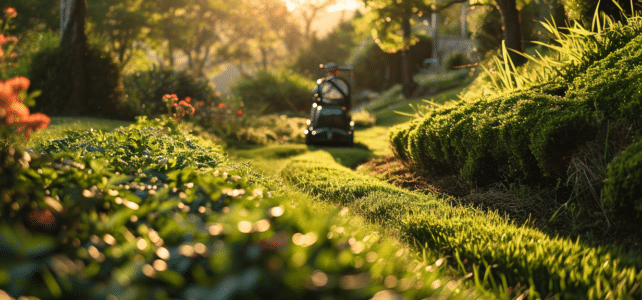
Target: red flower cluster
182	107
10	12
14	112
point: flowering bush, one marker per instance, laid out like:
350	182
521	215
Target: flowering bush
14	114
7	43
177	109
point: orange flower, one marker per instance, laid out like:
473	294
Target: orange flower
221	105
33	122
239	112
183	103
36	121
18	84
10	12
188	99
7	96
193	111
16	112
8	39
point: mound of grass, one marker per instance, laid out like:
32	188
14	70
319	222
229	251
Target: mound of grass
511	260
103	215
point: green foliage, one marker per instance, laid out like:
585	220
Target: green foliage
573	51
30	44
90	227
622	191
485	30
517	137
277	92
612	87
150	149
334	47
146	89
33	15
503	257
104	93
377	70
60	126
584	10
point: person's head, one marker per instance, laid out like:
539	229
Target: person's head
331	69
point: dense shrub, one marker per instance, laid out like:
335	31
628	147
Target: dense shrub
104	90
277	92
518	137
622	191
613	86
146	89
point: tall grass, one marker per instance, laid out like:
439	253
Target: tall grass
572	50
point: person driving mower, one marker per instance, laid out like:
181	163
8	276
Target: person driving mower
330	121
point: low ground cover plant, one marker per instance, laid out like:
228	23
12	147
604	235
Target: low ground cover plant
147	211
512	260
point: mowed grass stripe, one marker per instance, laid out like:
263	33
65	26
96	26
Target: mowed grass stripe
517	257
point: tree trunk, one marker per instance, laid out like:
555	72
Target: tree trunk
512	30
74	46
408	85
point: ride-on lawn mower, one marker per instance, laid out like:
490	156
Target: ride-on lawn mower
330	122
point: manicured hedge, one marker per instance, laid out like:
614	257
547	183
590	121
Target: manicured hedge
523	136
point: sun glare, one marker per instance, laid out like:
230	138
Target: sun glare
341	5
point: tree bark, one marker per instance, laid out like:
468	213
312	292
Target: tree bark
408	85
512	30
74	47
